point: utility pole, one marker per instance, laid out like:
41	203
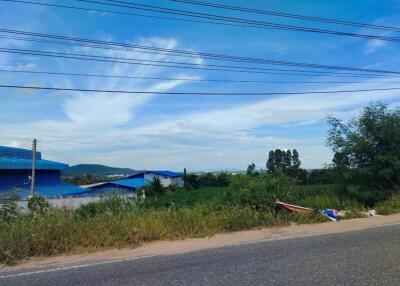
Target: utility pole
33	178
184	178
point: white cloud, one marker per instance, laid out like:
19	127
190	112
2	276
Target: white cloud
373	45
195	138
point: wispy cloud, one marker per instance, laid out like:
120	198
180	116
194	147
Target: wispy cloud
373	45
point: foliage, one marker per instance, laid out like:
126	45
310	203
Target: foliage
392	205
85	179
155	188
366	152
251	170
283	161
111	204
38	205
322	176
9	209
261	192
210	195
117	221
207	180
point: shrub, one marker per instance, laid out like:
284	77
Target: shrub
389	207
38	205
9	209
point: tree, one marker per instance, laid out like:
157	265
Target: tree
296	160
192	181
278	159
366	152
284	161
251	170
287	166
271	162
155	188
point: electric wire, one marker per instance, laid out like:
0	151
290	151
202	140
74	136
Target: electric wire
169	78
289	15
197	93
222	19
193	53
170	64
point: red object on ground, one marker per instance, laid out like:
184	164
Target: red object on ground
292	208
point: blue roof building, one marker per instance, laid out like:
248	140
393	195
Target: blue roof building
135	181
16	172
120	186
167	178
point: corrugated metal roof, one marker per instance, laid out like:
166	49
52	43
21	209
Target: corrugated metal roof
165	173
48	191
132	183
26	164
93	185
11	152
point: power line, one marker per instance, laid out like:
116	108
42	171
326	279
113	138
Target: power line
170	64
124	13
212	56
152	8
171	79
196	93
231	21
57	153
289	15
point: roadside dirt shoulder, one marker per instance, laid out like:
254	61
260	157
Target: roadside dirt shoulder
219	240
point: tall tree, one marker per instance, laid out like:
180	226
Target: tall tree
271	162
251	169
296	160
288	161
278	159
366	152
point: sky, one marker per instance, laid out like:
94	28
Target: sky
197	132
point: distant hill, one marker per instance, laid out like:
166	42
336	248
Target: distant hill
96	170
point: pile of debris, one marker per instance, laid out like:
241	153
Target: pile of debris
332	214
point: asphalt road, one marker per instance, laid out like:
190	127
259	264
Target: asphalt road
368	257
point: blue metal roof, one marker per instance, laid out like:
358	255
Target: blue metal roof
11	152
165	173
132	183
25	164
50	191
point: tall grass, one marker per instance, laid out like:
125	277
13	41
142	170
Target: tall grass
390	206
121	222
61	231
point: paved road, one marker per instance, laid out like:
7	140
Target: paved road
368	257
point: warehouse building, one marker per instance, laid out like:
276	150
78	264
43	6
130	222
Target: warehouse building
166	178
16	174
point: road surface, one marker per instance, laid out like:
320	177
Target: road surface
367	257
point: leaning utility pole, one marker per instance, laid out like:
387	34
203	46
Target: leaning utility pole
33	177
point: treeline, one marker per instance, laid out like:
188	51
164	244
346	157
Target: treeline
206	180
366	161
191	182
84	180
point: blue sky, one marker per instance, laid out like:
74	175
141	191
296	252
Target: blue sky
148	131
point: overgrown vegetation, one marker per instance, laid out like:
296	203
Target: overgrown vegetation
365	174
366	153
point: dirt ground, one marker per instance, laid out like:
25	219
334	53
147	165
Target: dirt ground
193	244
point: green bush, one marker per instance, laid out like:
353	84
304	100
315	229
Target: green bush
38	205
9	209
389	207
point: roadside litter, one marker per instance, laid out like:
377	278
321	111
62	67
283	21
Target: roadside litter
292	208
333	215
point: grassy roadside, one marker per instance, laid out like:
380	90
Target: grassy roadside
117	222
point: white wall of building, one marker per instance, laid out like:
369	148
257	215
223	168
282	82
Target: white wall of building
165	181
